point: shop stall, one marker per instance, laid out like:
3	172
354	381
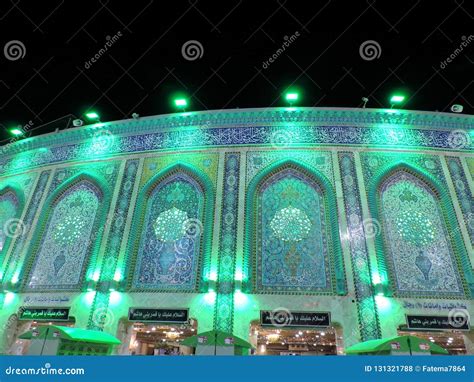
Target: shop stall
63	340
400	345
159	332
216	342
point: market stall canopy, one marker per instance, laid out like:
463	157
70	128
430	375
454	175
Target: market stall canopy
400	344
216	337
74	334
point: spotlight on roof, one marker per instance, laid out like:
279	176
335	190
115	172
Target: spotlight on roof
291	97
181	103
396	99
17	131
364	100
457	108
92	116
135	115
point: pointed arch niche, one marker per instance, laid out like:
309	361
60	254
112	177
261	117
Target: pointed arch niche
292	232
416	246
67	236
173	230
11	205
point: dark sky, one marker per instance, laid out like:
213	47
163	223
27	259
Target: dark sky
145	66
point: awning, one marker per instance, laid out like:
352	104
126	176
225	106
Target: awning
74	334
216	337
400	343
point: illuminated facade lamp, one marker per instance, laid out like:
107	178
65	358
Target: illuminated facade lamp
396	100
92	116
378	289
17	131
181	103
291	97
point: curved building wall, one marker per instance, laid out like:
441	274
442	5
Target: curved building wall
366	214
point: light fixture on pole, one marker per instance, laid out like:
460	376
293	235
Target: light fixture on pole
17	131
92	116
291	98
181	103
396	99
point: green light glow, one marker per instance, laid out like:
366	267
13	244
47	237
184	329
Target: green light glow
181	102
9	297
240	299
384	304
89	297
210	297
291	96
397	98
118	275
14	279
238	275
115	298
92	115
213	275
95	276
16	132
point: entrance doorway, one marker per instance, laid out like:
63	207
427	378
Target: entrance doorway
293	341
452	341
161	339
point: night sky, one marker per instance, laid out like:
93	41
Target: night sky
46	50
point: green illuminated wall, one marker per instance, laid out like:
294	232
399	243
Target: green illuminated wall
347	154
